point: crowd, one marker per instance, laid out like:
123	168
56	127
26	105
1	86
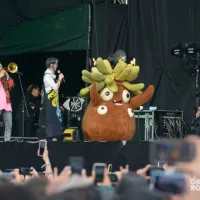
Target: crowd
51	185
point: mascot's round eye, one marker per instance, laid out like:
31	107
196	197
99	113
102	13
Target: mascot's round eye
126	96
130	112
106	94
102	110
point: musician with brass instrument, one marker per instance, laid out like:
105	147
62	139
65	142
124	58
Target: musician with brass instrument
6	85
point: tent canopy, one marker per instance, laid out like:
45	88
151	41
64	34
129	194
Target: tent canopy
69	30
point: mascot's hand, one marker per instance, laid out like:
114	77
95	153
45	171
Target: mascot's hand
94	62
141	99
133	62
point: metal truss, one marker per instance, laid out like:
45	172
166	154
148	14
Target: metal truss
120	1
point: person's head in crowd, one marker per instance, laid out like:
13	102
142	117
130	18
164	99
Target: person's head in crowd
33	90
4	181
87	193
133	186
38	186
14	192
77	187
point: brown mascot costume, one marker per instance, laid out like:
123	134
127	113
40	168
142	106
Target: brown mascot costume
110	113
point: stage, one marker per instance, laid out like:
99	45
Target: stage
24	154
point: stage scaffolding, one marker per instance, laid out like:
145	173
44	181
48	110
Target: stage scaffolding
121	1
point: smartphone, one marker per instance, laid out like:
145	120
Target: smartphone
25	171
169	183
154	168
113	177
76	164
99	169
172	151
7	175
42	146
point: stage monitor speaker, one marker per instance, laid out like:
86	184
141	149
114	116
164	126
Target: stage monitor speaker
71	135
144	125
154	125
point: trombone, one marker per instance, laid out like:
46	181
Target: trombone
12	68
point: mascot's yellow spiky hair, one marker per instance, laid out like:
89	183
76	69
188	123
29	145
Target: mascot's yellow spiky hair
110	114
104	76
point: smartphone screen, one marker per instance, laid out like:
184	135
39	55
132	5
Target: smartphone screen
99	172
113	177
169	183
76	164
25	171
7	175
42	146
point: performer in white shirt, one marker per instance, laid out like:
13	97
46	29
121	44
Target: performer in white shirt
52	112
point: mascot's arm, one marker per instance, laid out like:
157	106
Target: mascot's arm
94	95
142	98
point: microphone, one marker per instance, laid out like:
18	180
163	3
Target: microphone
59	72
19	73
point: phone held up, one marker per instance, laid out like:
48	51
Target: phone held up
42	147
76	164
99	170
113	178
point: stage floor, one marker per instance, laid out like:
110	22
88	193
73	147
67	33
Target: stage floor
23	154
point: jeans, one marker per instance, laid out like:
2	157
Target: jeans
7	118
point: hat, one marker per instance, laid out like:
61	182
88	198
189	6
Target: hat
118	55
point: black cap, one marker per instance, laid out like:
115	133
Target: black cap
118	55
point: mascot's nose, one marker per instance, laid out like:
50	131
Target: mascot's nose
117	101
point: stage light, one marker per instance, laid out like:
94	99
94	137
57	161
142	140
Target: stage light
179	50
193	49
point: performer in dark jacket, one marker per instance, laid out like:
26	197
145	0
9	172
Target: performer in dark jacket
33	102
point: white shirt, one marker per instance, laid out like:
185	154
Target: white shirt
49	81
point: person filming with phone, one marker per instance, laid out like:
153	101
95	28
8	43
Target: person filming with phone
52	112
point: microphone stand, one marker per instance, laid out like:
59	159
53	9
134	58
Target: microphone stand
24	105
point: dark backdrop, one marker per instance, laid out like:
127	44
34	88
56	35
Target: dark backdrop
147	30
154	28
110	28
